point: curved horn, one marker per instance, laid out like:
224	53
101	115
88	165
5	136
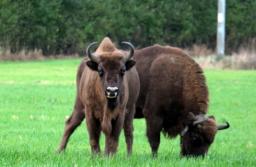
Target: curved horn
184	131
191	116
223	126
200	120
131	50
89	54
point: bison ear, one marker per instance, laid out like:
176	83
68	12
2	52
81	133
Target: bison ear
129	64
92	65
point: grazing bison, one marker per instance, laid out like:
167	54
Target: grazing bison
107	90
174	99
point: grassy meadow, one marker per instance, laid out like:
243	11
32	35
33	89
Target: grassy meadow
37	96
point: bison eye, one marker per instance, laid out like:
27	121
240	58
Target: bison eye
101	72
122	71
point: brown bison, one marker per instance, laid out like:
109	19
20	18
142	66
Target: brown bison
107	90
174	99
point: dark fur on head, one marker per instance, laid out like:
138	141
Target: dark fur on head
199	134
198	138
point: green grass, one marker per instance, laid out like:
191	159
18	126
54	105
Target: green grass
35	98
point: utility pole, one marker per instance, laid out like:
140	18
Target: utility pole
221	28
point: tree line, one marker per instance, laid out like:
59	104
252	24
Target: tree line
67	26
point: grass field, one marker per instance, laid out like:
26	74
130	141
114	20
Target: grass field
36	97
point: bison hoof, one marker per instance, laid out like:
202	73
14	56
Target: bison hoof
60	150
154	155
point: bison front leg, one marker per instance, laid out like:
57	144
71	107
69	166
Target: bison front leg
71	124
111	145
154	126
93	126
111	142
128	129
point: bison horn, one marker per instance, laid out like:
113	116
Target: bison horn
191	116
91	56
184	131
197	119
200	120
131	50
223	126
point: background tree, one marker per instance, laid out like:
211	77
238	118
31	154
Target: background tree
66	26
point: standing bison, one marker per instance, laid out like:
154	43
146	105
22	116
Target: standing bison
107	90
174	99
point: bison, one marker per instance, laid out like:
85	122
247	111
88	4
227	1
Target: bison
107	90
174	99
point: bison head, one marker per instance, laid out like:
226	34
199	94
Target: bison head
111	65
199	134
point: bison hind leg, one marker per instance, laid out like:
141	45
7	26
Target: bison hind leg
71	124
128	128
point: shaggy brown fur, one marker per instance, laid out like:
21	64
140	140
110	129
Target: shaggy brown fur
102	113
172	86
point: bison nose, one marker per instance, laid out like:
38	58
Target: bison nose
112	92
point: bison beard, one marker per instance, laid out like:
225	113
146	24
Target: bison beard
112	103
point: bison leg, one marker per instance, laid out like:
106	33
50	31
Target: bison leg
94	129
71	124
111	143
154	126
183	147
128	129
